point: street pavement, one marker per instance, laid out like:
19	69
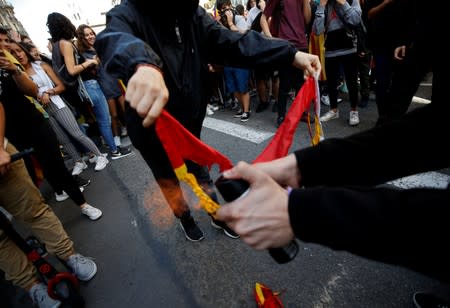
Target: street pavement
144	259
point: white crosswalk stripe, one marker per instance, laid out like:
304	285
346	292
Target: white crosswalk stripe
236	130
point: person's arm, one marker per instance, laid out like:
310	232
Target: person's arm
59	85
377	11
265	25
67	50
307	11
5	158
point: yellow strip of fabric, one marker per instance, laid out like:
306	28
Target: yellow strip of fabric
259	293
206	202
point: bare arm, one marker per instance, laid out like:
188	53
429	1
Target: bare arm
265	25
67	49
5	158
307	11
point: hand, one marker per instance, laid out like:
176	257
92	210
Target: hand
261	217
5	159
399	53
284	171
310	64
44	99
147	93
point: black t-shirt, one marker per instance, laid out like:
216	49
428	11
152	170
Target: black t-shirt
20	112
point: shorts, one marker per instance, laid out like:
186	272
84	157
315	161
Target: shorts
236	79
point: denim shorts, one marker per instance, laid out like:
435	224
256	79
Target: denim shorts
236	79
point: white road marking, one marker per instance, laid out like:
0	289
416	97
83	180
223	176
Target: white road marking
420	100
236	130
423	180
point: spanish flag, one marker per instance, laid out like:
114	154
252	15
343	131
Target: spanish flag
181	145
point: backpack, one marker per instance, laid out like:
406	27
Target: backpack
256	24
60	68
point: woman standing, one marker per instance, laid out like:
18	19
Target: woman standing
61	118
62	32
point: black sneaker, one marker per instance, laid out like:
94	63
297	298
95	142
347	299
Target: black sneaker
222	226
238	114
245	116
121	152
82	182
279	121
191	230
428	300
261	107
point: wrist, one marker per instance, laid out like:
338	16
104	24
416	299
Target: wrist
149	65
83	66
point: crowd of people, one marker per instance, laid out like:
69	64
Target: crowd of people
166	62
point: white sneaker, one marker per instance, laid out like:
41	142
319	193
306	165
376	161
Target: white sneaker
84	268
101	163
354	118
330	115
93	158
117	141
325	99
64	196
61	197
40	297
79	167
92	212
209	110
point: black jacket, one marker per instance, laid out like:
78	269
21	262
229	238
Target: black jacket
182	47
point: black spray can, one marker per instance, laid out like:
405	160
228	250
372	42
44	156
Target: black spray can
235	189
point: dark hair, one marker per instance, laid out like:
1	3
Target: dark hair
249	5
240	9
26	47
221	3
60	27
82	44
3	30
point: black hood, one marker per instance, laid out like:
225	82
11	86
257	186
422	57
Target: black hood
180	9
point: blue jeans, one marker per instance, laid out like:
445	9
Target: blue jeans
101	111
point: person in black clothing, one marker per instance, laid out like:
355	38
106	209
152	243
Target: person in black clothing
350	211
160	54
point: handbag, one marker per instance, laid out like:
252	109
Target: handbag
343	38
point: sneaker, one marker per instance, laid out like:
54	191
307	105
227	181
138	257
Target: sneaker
101	163
213	106
339	100
330	115
238	114
64	196
82	182
121	152
427	300
79	167
354	118
261	107
117	141
222	226
209	111
84	268
40	297
61	197
325	99
191	230
93	158
92	212
245	116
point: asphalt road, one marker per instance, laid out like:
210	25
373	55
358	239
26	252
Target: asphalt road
144	260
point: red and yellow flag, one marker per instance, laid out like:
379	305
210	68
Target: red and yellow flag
181	145
266	298
282	141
